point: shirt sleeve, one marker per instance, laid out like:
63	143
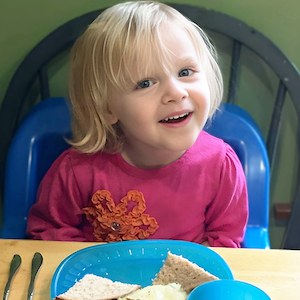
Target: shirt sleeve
57	214
227	215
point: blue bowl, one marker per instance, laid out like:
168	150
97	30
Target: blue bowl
228	289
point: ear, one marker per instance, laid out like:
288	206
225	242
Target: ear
111	117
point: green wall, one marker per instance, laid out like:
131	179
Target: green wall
24	23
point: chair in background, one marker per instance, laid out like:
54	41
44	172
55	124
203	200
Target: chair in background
34	66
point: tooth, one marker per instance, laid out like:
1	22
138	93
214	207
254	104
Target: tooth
175	117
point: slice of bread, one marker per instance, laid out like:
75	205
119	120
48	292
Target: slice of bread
181	270
92	287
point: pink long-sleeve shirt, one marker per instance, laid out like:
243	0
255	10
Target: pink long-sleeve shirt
200	197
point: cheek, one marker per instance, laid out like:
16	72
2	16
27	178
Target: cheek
206	98
211	96
137	121
139	111
202	97
131	116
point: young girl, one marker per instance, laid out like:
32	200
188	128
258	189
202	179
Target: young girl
143	83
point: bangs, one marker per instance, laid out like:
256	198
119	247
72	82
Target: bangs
143	50
141	55
133	46
133	51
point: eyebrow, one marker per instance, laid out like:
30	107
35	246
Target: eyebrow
188	59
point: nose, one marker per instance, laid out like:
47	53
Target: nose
173	91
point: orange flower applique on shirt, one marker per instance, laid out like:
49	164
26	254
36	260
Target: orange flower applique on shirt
113	222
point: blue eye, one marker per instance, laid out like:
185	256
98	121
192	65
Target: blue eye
144	84
185	72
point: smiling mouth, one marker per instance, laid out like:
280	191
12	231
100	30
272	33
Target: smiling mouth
175	119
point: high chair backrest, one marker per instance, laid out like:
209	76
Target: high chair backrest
38	142
41	139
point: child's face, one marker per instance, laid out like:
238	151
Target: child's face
163	114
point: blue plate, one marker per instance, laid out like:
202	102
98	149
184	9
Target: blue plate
132	262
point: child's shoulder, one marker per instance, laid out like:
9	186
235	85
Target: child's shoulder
210	142
74	165
215	148
210	147
73	157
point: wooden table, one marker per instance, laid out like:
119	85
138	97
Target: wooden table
277	272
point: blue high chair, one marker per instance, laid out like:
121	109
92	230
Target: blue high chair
41	139
25	155
38	142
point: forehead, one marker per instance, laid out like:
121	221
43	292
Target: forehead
178	43
167	47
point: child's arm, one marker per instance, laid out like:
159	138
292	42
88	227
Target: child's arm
227	216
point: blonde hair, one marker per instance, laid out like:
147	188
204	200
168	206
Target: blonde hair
101	59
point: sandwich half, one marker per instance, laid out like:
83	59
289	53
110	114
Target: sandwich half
92	287
180	270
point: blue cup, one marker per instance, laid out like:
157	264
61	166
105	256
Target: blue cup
227	289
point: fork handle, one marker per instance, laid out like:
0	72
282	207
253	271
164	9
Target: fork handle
35	266
14	266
